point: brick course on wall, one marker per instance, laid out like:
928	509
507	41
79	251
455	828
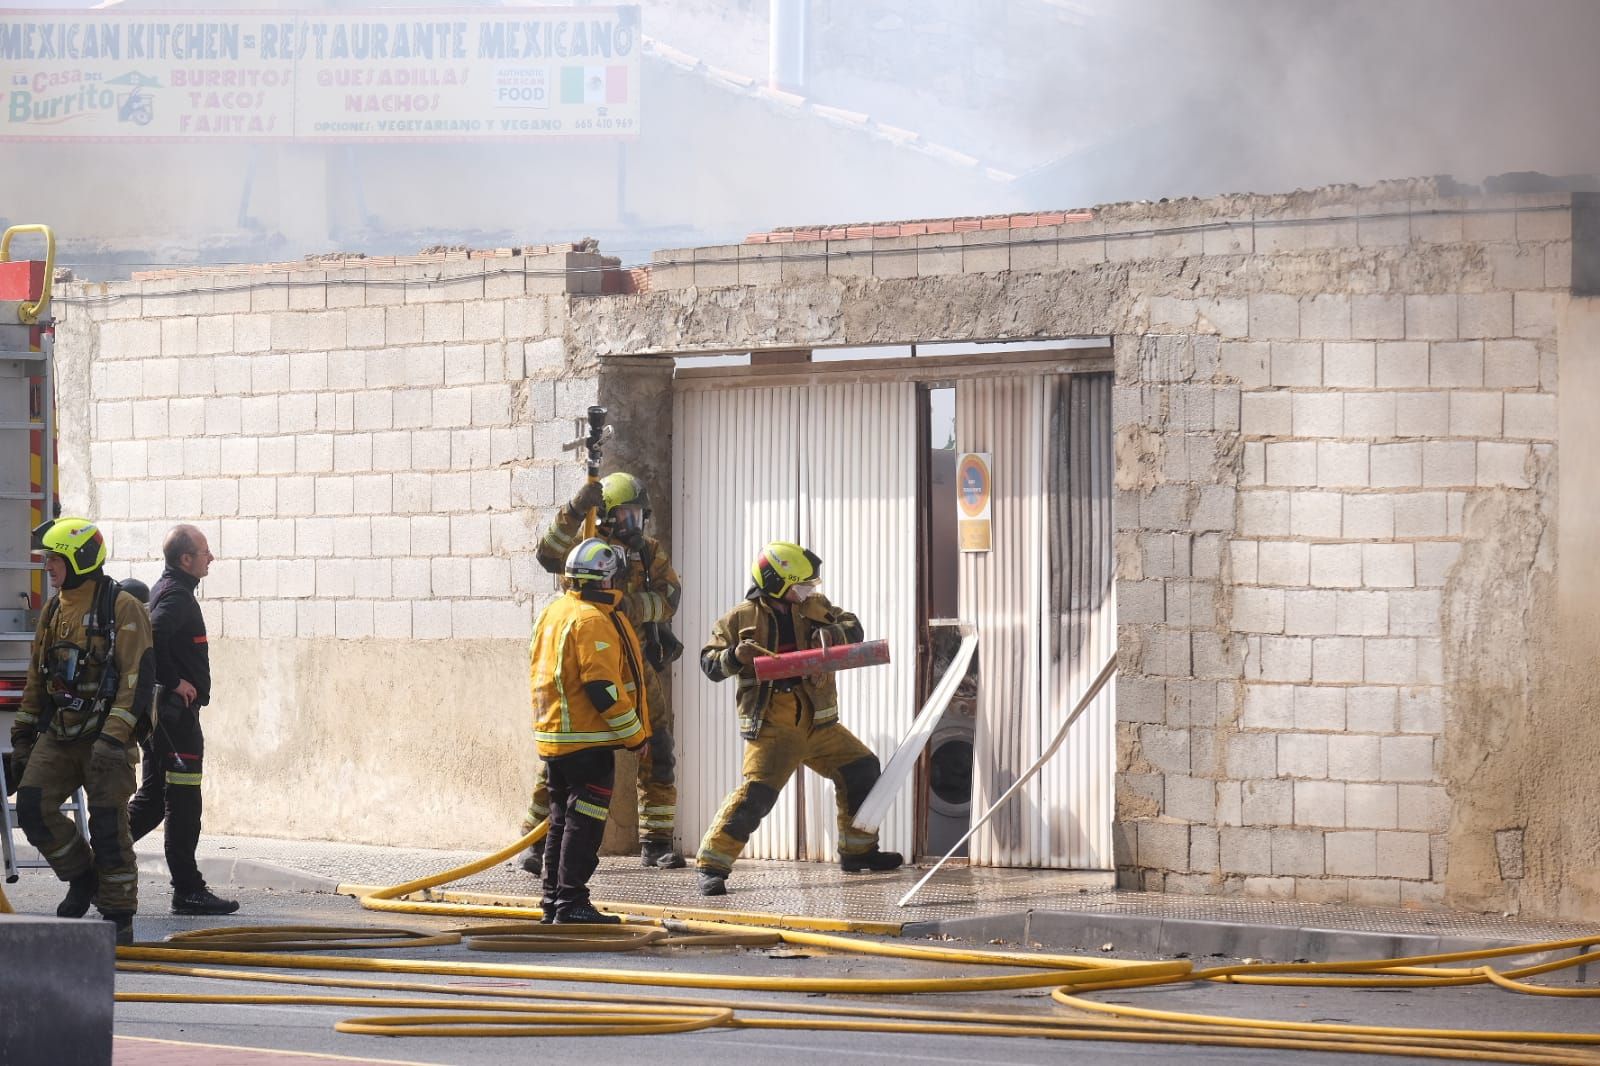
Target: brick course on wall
1365	439
373	453
1357	428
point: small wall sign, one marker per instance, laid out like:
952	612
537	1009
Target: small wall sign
974	492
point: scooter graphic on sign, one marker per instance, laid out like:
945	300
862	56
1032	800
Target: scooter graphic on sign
136	106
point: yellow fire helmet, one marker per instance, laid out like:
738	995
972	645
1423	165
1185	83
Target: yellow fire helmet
623	490
782	565
593	561
78	541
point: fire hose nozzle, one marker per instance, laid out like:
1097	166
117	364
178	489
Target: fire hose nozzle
586	441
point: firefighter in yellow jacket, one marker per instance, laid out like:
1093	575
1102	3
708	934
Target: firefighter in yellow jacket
789	723
587	681
650	591
88	689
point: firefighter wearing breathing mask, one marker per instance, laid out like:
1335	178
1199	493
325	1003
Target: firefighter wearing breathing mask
86	699
650	591
788	723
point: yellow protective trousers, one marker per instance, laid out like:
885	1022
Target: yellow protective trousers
787	741
657	780
57	769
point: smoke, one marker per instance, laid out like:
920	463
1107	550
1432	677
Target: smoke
971	108
1200	97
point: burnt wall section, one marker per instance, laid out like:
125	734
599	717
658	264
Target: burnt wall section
1178	461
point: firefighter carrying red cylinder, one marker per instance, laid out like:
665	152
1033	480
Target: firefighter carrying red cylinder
789	718
772	666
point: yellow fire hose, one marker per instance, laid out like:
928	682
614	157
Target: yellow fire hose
527	1012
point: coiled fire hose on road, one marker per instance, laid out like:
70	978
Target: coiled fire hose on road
448	1010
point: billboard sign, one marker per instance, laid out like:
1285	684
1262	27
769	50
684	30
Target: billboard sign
347	76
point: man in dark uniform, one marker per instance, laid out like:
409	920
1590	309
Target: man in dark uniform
170	784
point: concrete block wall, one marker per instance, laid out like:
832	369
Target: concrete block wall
1343	671
370	457
373	453
1352	652
1301	470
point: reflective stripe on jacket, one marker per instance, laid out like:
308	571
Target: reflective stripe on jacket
579	641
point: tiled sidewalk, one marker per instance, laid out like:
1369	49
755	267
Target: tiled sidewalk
823	890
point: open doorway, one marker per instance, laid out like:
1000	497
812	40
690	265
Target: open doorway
945	774
1040	597
858	459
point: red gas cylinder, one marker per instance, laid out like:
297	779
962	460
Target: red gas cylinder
821	660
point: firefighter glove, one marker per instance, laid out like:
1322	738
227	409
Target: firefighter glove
661	645
19	763
746	651
591	495
832	635
108	756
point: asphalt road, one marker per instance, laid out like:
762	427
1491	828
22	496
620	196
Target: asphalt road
309	1028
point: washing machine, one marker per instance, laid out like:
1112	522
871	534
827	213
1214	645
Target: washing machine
949	794
949	778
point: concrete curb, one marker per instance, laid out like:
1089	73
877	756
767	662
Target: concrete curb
245	873
1087	932
222	870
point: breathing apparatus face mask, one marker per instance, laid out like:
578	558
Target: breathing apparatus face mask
64	661
65	672
803	591
627	523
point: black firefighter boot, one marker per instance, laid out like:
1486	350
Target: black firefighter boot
659	854
533	859
871	860
201	901
123	922
585	914
80	893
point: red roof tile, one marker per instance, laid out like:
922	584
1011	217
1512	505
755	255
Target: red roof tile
917	227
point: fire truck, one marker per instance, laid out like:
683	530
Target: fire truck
27	460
